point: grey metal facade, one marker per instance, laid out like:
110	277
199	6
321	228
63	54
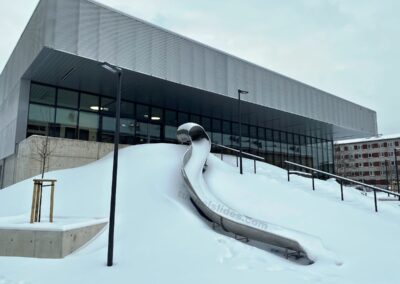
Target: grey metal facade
88	30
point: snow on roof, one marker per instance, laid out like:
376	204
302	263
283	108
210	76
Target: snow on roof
379	137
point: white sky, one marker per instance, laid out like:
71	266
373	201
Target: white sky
350	48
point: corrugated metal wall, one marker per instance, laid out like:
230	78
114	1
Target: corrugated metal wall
93	31
31	42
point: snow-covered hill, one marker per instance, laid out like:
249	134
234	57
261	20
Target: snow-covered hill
160	238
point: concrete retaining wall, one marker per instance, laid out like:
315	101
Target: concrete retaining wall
45	244
64	154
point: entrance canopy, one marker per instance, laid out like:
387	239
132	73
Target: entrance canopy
70	71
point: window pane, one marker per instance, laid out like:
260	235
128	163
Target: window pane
41	113
290	146
127	109
283	137
320	154
127	126
89	102
227	140
108	123
67	98
156	114
67	117
43	94
182	118
154	132
245	130
107	137
206	123
88	126
170	117
41	119
315	152
142	132
88	120
107	105
309	149
216	137
216	125
245	137
253	132
142	112
268	134
226	127
235	135
261	133
235	128
170	132
195	118
255	144
37	128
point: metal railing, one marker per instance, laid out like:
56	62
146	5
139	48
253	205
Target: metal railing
340	178
252	156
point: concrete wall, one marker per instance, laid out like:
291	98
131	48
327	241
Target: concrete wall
8	171
45	244
64	153
74	239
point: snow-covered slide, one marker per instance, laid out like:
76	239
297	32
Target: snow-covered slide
215	210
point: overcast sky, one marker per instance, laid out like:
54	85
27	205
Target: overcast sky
350	48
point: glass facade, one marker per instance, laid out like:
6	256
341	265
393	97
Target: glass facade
79	115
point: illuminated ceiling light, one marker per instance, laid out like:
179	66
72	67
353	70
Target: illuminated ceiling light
98	108
155	118
146	116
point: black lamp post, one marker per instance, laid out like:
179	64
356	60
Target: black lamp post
118	71
397	170
240	129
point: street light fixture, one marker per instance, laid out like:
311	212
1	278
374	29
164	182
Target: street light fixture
240	128
118	71
111	68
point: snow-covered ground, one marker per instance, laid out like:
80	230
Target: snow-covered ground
160	237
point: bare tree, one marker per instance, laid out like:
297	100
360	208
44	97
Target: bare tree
43	151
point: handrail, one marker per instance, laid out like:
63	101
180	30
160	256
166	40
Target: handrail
375	188
344	178
238	151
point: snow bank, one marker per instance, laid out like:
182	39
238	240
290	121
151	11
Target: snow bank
160	238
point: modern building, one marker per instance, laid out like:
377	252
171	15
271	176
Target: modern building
370	160
53	85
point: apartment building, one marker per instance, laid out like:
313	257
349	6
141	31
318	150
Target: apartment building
371	160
